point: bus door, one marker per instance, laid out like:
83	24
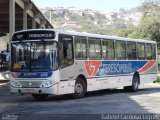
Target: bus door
66	57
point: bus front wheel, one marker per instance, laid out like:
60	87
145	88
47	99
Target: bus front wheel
40	96
135	85
80	88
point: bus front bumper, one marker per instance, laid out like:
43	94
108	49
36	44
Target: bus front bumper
54	90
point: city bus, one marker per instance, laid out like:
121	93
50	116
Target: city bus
57	62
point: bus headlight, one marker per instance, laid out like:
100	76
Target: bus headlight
46	84
16	84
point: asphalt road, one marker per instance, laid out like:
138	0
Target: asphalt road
95	105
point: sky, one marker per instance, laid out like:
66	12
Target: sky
103	6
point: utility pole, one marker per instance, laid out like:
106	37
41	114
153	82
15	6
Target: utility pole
50	15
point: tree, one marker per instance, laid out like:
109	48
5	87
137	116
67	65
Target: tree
131	32
149	27
150	7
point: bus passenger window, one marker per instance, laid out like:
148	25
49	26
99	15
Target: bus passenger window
66	51
94	48
149	51
108	49
131	51
80	48
141	51
154	52
120	48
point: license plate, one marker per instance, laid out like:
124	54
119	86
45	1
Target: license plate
29	90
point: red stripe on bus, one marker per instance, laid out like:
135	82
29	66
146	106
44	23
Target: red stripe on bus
147	66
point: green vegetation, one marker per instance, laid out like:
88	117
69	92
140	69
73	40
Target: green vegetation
158	80
86	23
148	28
149	25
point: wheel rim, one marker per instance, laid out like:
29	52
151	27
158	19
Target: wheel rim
78	88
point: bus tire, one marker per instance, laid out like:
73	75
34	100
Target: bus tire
40	97
80	89
135	85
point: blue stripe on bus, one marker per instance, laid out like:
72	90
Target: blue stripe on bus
119	67
35	75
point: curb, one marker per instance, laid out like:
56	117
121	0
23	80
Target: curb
4	81
154	84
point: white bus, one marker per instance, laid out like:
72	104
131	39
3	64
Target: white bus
56	62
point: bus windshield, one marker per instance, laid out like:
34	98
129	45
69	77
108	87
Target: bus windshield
34	56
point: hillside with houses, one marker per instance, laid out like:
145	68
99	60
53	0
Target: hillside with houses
92	21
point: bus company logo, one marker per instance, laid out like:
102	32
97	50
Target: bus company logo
92	67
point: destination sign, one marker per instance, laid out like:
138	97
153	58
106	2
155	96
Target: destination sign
33	35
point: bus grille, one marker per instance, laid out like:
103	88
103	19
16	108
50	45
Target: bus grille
30	84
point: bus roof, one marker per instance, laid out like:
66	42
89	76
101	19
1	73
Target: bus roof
84	34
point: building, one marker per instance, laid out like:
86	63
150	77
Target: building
111	16
20	15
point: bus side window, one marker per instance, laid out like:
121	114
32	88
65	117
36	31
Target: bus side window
141	51
66	51
94	48
131	51
108	49
80	48
149	51
154	52
120	50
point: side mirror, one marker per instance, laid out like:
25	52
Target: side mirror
4	61
4	66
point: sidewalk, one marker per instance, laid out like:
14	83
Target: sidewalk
3	81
